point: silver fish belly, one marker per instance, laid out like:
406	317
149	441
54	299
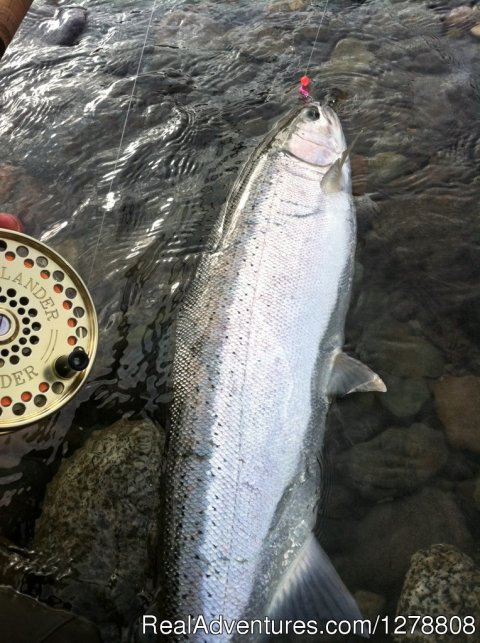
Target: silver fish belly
257	342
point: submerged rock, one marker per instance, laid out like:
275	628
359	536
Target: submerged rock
404	359
190	27
404	397
386	166
370	604
462	16
450	90
97	533
476	493
66	26
442	581
25	619
353	419
288	5
395	462
367	212
359	165
341	502
8	179
378	552
475	31
353	50
396	349
457	401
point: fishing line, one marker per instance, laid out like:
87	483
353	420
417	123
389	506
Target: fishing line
316	37
305	80
119	150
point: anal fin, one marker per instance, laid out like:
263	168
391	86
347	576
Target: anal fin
351	376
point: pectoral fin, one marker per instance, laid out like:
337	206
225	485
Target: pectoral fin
312	590
332	181
351	376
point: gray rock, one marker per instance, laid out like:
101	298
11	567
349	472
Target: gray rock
377	554
457	401
396	461
98	527
441	581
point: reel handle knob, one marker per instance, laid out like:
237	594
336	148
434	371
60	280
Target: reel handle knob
67	365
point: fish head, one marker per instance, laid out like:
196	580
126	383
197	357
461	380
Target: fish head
315	135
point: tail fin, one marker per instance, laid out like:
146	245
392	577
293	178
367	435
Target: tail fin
312	590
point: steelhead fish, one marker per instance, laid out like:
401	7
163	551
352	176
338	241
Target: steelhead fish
258	358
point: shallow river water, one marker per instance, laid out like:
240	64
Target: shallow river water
132	215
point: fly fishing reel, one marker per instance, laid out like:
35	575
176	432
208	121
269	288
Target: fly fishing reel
48	331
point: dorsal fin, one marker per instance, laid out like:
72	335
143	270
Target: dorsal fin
351	376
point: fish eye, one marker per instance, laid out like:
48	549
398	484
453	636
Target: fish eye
312	114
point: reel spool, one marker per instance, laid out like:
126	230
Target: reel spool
48	331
